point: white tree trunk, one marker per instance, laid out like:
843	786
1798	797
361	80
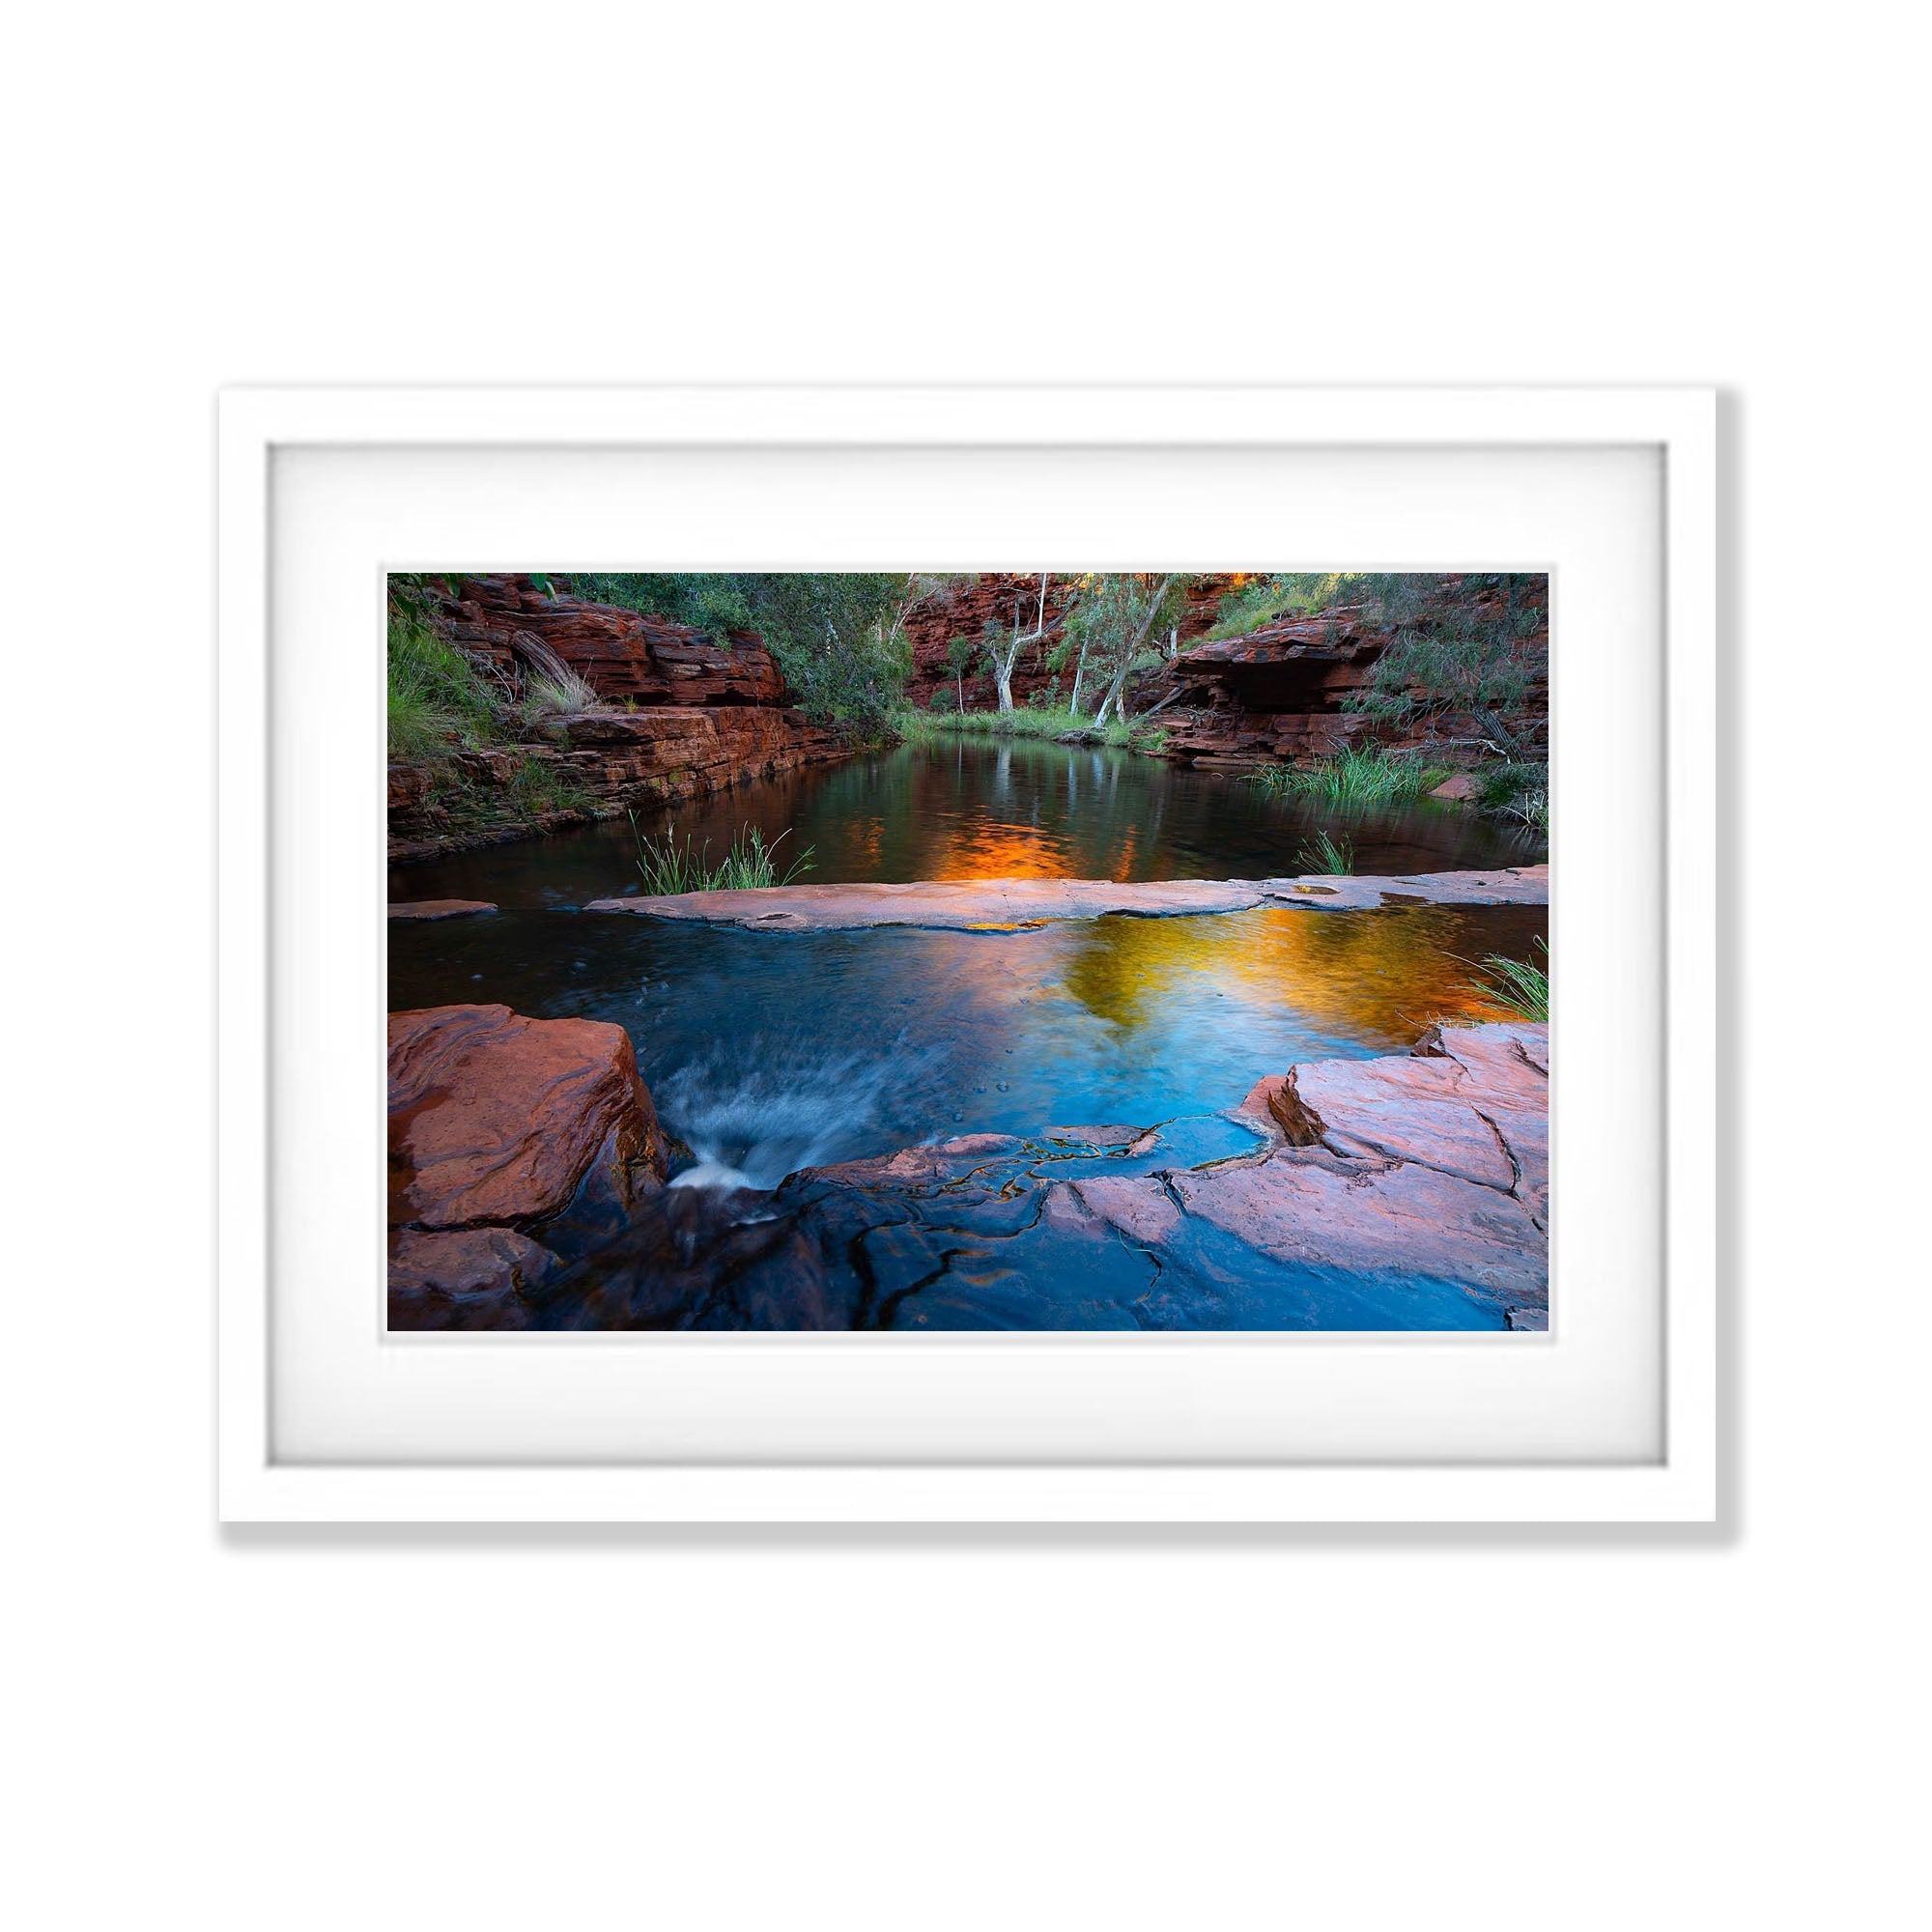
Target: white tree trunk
1079	671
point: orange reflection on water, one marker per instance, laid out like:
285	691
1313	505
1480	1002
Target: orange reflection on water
983	848
1375	973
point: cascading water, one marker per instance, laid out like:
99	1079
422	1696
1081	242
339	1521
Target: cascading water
759	1106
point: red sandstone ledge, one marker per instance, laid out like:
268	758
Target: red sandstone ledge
438	908
1008	905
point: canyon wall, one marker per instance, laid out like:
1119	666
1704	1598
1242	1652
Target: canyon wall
681	713
964	613
1281	693
1278	693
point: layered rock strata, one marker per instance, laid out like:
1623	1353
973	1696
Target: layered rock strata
680	714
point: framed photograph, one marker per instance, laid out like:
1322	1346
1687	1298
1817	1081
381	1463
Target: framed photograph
968	955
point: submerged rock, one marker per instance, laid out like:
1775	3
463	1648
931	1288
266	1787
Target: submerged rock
1404	1192
472	1278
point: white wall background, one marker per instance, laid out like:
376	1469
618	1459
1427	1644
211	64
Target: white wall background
597	1729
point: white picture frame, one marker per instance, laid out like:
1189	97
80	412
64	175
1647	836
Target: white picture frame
1670	430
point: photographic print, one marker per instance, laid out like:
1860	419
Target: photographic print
1031	950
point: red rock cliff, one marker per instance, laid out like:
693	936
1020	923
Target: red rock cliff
685	714
965	613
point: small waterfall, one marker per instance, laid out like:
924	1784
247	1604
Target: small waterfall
756	1109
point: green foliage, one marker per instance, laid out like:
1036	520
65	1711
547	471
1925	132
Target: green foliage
1112	616
837	636
539	787
944	698
1517	985
439	702
1357	775
670	869
1328	855
959	654
1518	791
928	727
1282	594
1475	646
1026	721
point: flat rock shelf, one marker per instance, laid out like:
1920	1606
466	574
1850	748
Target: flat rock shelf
1007	905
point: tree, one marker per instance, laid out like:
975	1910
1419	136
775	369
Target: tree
1474	647
959	654
1113	616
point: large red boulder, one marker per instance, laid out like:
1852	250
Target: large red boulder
495	1119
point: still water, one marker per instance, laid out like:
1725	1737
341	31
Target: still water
1020	811
768	1052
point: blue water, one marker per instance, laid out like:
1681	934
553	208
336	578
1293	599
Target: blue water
771	1053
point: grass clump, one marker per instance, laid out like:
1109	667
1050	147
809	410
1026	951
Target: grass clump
670	869
564	695
539	787
932	727
1518	791
1328	855
439	700
1520	987
1357	775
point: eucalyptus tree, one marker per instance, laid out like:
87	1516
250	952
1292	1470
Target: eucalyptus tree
959	654
1113	616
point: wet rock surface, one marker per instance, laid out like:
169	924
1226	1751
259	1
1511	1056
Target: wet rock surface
438	908
512	1142
1407	1192
996	905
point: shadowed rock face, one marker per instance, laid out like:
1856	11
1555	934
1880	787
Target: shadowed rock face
1405	1192
996	905
500	1128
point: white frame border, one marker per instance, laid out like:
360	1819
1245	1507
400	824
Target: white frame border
1681	422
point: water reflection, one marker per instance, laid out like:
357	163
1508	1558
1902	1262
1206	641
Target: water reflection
981	811
1381	975
768	1051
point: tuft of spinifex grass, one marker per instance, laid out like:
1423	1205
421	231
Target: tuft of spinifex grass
1328	855
1519	986
670	869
